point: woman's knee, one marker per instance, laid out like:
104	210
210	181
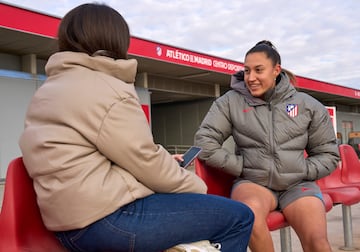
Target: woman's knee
242	212
260	199
316	244
231	209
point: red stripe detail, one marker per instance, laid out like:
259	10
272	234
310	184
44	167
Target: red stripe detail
325	87
149	49
16	18
146	111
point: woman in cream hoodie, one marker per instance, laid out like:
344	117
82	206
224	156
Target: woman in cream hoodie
102	183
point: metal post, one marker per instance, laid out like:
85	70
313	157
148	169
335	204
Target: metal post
285	239
347	226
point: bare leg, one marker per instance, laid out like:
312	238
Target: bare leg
261	201
307	217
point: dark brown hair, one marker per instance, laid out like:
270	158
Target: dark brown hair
95	29
272	53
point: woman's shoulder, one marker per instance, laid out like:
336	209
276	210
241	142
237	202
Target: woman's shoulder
305	97
309	100
232	94
230	97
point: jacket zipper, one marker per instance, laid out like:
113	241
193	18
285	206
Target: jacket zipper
271	143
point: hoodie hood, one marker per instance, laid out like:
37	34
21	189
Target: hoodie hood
122	69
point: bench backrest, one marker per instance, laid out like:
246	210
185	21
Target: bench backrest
350	170
21	226
218	182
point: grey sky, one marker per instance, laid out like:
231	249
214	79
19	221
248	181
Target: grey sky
318	39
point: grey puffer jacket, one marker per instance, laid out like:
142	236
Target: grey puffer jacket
270	135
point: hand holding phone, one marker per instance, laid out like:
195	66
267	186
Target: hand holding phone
189	156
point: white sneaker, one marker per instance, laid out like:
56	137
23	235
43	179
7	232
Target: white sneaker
200	246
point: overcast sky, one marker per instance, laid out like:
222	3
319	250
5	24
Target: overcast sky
318	39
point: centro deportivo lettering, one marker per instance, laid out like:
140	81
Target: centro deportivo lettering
234	67
227	66
220	64
178	55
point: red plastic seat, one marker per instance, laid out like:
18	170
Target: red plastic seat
350	167
220	183
343	194
21	226
339	192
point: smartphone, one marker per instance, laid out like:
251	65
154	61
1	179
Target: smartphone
189	156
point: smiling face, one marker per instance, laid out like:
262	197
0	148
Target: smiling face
260	73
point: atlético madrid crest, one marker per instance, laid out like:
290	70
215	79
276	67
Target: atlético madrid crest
292	110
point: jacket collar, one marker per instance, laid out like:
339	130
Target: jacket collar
124	70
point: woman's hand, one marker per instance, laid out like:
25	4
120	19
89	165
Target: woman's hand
178	157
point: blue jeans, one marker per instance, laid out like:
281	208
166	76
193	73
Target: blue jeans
161	221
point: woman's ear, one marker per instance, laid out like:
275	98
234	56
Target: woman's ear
277	70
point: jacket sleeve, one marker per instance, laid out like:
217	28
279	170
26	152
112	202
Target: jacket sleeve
126	139
213	131
322	149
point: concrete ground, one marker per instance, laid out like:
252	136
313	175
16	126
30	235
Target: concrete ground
335	229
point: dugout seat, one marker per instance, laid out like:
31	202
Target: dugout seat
21	226
350	165
343	194
220	183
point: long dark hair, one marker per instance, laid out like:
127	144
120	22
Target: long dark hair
94	29
272	53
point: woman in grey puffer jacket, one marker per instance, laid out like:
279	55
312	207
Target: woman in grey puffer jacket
272	124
